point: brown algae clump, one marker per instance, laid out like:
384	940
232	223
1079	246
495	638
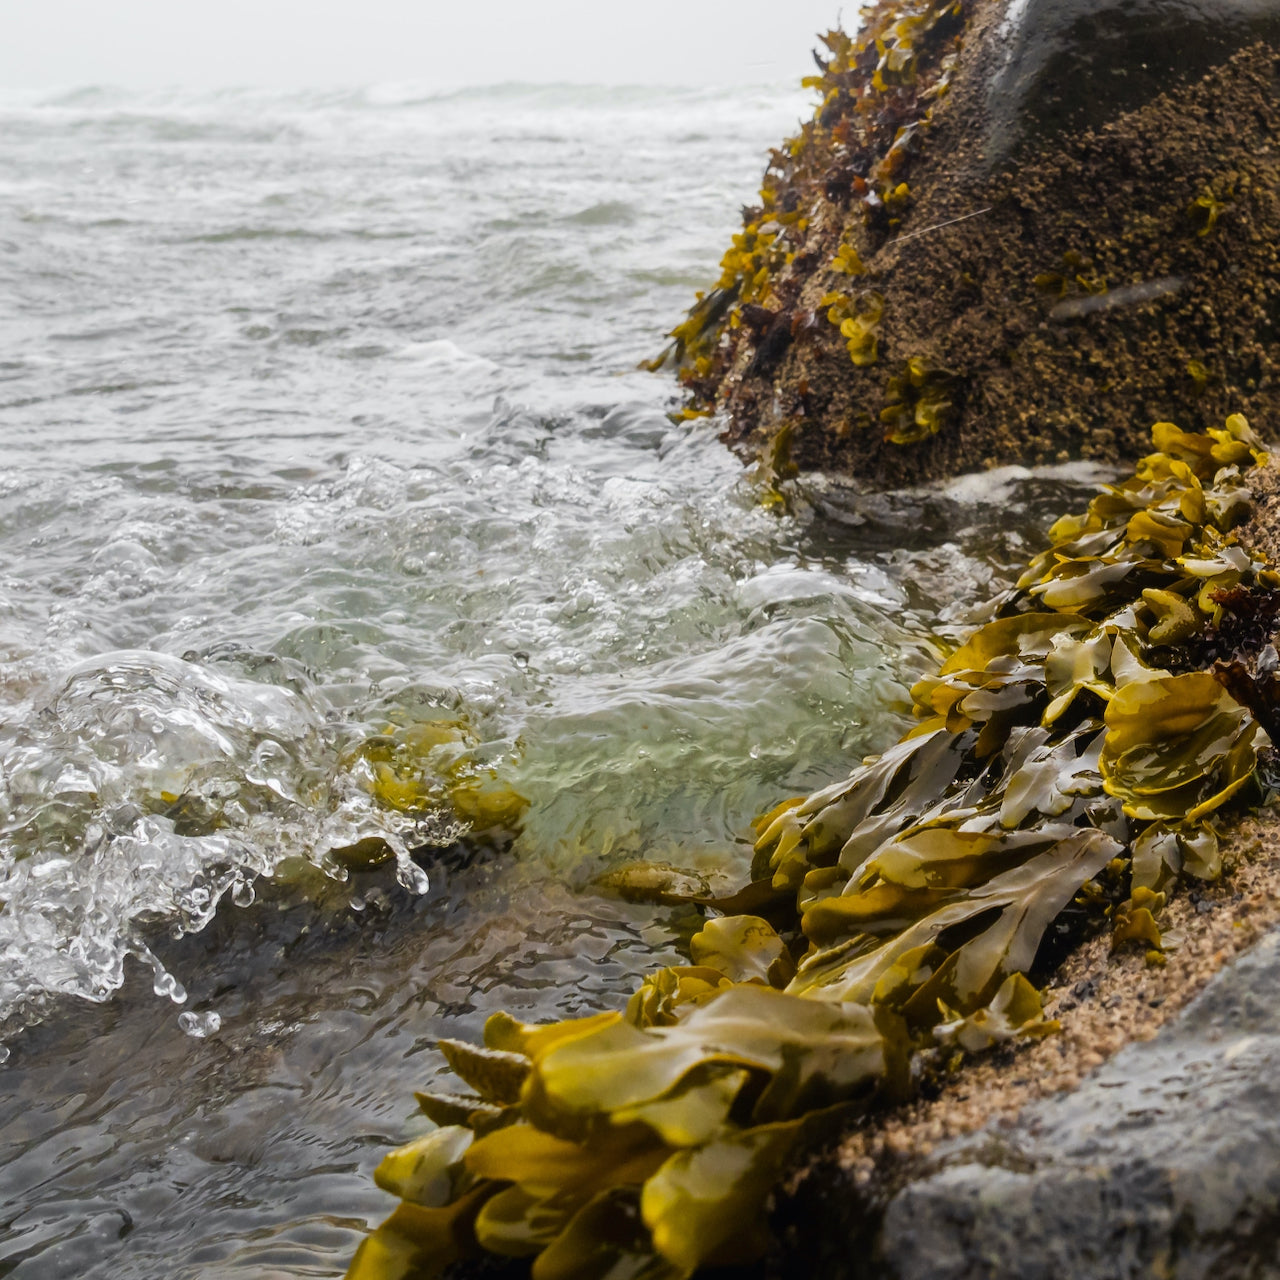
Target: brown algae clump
1068	764
876	94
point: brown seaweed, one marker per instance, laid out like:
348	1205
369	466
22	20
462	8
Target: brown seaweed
1056	764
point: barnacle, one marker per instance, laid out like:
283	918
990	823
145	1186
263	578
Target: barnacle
1054	755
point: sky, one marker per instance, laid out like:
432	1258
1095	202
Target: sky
204	44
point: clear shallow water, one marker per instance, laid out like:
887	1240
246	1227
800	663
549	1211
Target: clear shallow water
321	415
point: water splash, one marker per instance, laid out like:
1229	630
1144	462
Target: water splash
149	789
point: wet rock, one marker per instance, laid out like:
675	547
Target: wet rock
1076	64
1016	231
1166	1162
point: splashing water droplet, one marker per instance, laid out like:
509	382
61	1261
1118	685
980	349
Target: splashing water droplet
243	893
167	985
411	876
199	1026
164	984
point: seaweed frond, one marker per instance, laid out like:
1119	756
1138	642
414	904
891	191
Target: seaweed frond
1069	754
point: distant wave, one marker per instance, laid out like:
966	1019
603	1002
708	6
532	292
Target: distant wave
396	95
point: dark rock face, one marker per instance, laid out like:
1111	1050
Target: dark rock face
1068	65
1164	1163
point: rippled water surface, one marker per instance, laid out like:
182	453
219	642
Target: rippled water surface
323	440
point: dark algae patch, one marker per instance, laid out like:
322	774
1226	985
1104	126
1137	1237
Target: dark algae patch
1067	772
1005	238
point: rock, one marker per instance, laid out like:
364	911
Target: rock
1070	65
1014	233
1165	1162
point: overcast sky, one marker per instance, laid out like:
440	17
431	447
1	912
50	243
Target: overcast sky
203	44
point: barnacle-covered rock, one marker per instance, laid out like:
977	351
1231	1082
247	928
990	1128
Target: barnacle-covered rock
1075	64
1162	1163
1013	231
1057	764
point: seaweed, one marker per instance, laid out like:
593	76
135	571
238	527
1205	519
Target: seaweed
876	95
1056	769
859	322
424	767
1205	210
919	401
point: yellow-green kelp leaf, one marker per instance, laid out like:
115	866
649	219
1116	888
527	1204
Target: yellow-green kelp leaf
1025	635
417	1243
504	1034
1015	1011
495	1075
445	1109
744	949
703	1207
1135	920
1027	898
1057	760
427	766
543	1165
1175	619
427	1170
1176	744
694	1110
606	1240
657	1003
919	401
656	882
810	1050
517	1224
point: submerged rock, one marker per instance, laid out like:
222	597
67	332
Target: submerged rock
1165	1162
1012	233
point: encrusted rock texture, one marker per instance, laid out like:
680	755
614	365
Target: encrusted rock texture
1040	258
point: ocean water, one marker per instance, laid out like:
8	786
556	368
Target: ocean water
321	421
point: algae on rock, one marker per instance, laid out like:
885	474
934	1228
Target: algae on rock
1066	756
950	267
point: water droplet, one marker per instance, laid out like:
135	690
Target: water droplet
243	894
4	1053
200	1025
521	659
167	985
411	876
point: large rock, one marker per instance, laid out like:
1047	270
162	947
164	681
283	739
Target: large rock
1047	224
1165	1163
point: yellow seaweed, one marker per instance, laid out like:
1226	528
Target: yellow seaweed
1055	754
